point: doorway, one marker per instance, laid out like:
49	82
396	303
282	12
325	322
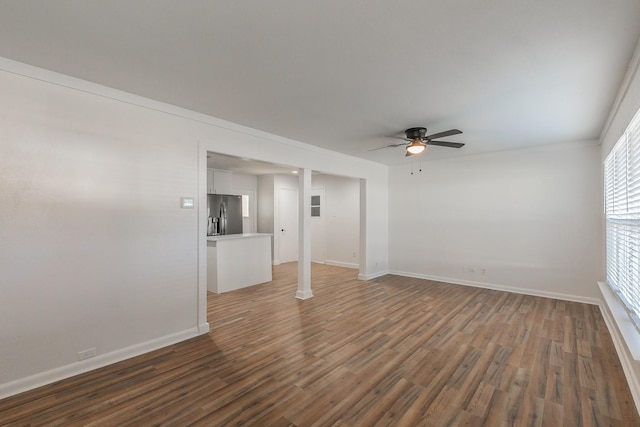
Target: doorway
288	224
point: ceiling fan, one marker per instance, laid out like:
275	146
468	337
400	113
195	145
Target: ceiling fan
418	140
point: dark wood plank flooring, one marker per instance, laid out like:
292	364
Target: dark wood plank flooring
392	351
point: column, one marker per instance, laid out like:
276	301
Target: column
304	234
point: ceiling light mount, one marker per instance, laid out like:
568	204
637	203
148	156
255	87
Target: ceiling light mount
416	133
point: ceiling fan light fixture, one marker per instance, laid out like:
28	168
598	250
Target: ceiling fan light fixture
416	147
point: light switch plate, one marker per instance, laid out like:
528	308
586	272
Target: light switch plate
187	203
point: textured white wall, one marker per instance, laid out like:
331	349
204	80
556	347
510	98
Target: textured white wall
94	248
531	218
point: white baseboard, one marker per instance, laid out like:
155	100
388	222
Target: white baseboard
304	294
371	276
276	262
62	372
485	285
342	264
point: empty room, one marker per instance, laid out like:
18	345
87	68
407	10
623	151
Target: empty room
320	213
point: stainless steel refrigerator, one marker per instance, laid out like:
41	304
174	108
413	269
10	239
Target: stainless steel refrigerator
227	208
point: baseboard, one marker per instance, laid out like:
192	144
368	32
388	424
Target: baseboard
203	329
304	294
496	287
342	264
371	276
276	262
67	371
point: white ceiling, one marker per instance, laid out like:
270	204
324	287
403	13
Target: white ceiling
343	74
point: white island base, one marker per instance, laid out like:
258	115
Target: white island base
236	261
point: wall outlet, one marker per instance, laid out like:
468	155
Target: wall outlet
87	354
483	271
472	269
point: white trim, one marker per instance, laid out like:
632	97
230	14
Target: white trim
67	371
201	309
624	323
342	264
618	328
305	294
525	291
276	262
629	77
371	276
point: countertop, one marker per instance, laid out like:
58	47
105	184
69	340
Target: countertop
235	236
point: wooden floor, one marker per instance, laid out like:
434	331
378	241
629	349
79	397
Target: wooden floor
392	351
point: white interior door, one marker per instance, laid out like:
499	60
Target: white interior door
288	219
318	228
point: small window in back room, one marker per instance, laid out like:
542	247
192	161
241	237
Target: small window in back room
315	205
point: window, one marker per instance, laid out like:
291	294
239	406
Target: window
315	205
622	212
245	206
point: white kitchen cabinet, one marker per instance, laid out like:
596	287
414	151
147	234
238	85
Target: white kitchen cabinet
237	261
218	181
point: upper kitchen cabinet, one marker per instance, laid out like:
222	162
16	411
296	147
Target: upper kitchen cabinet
218	181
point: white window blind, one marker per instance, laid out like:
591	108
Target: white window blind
622	211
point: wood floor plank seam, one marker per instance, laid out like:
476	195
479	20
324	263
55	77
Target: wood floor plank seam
394	351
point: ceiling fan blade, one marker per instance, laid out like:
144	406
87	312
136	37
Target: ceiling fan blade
443	134
397	137
445	144
389	146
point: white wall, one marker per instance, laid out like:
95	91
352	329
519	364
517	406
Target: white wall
95	250
265	204
342	218
342	213
531	218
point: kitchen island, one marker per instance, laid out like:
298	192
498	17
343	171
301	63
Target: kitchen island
236	261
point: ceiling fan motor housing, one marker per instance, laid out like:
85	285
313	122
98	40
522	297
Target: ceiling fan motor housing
416	133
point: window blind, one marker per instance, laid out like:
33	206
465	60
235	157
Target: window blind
622	212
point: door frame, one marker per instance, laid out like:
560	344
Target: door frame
278	230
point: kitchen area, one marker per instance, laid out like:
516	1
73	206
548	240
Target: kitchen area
236	256
251	220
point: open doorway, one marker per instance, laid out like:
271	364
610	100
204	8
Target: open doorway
268	187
